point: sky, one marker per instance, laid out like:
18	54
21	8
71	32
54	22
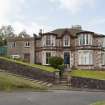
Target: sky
33	15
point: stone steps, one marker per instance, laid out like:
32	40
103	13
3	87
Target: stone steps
43	83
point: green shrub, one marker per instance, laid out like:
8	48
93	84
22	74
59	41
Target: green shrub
61	67
55	61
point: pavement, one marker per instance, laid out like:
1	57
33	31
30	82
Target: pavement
55	97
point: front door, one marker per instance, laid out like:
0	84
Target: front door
66	58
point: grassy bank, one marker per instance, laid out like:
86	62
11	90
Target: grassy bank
99	103
100	75
9	82
42	67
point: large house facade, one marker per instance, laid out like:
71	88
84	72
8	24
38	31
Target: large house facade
80	49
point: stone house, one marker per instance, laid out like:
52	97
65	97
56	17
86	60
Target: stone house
79	48
22	46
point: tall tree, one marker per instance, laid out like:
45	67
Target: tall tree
23	34
6	32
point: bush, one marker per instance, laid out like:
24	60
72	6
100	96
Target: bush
55	61
61	67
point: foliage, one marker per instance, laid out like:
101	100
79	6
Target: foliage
10	82
5	32
100	75
61	67
2	41
55	61
23	34
42	67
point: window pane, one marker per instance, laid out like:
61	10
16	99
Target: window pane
48	55
85	39
48	40
85	58
66	40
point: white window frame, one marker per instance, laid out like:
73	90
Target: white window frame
27	44
47	59
66	41
12	44
103	58
48	40
103	42
85	39
85	57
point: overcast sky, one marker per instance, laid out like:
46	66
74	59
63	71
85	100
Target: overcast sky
33	15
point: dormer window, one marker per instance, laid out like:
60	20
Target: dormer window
27	44
85	39
66	40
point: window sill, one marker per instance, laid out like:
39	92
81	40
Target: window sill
66	46
27	46
49	46
86	65
86	45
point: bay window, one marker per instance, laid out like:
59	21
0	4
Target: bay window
103	42
103	58
85	57
85	39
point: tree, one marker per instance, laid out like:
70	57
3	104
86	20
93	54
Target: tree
23	34
6	32
55	61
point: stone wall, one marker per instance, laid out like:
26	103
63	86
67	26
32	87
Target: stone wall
78	82
27	71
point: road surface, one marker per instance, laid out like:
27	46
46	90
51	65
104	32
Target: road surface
51	98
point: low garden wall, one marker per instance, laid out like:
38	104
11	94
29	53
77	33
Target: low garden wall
79	82
27	71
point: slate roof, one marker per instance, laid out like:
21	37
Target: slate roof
72	32
59	32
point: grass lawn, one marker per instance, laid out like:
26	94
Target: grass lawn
100	75
42	67
99	103
9	82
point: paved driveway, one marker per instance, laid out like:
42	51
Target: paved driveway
51	98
